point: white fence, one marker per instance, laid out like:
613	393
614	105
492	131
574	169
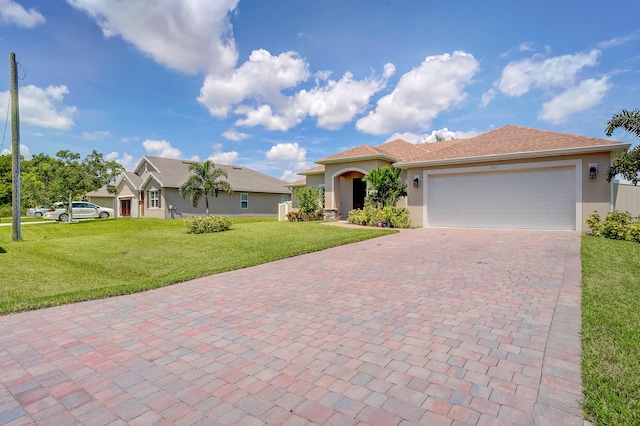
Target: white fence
283	209
626	197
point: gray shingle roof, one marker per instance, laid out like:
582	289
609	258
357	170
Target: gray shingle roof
172	173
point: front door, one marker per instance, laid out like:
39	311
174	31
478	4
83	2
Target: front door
125	207
359	193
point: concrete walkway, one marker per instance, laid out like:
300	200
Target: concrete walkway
429	326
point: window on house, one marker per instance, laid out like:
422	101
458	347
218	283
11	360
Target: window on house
244	201
154	198
284	198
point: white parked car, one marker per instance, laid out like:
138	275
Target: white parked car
81	210
37	211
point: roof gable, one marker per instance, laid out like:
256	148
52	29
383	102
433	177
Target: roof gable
172	173
362	152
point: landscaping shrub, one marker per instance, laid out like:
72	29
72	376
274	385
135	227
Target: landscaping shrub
205	225
308	199
617	225
371	216
299	216
594	222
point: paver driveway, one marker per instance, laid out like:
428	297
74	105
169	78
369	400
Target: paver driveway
428	326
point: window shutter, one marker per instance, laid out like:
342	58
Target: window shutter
147	197
159	198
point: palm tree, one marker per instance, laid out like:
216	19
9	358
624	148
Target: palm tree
205	181
385	186
628	163
628	120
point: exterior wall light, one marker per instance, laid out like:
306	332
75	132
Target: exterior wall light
416	180
593	170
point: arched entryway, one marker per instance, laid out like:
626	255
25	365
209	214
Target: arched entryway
349	191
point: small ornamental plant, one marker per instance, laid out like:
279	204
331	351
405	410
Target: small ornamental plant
206	225
617	225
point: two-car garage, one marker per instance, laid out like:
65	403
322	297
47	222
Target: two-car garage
488	197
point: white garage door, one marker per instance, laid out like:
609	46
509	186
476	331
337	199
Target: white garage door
533	199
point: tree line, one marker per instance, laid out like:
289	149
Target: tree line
45	180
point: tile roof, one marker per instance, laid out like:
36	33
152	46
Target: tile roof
172	173
313	171
362	151
511	140
401	149
301	182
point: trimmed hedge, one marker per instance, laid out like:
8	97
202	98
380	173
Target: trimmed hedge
372	216
301	217
205	225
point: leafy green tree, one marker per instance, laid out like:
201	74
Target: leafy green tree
5	179
308	198
206	180
628	163
385	186
74	178
38	175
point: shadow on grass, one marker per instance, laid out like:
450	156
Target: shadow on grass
2	251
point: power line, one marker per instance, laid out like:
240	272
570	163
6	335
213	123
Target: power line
6	122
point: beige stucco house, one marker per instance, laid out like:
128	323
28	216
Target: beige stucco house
151	190
511	177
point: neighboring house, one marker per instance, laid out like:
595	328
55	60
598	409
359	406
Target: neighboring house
511	177
151	190
102	197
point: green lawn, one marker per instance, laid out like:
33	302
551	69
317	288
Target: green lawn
611	331
63	263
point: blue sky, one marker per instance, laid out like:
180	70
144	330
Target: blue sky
276	85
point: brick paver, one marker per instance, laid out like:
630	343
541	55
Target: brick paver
427	326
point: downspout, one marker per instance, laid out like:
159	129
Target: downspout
611	185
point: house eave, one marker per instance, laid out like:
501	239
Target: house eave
514	156
255	191
317	172
359	158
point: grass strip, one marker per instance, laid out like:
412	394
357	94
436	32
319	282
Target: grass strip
62	263
611	331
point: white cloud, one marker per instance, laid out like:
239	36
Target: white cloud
161	149
263	76
526	46
189	36
42	107
220	157
561	71
431	137
579	98
98	134
228	158
24	151
488	96
287	152
127	161
290	157
619	41
421	94
290	176
255	91
338	102
13	13
234	135
264	116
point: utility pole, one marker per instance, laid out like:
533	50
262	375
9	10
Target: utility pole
15	151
